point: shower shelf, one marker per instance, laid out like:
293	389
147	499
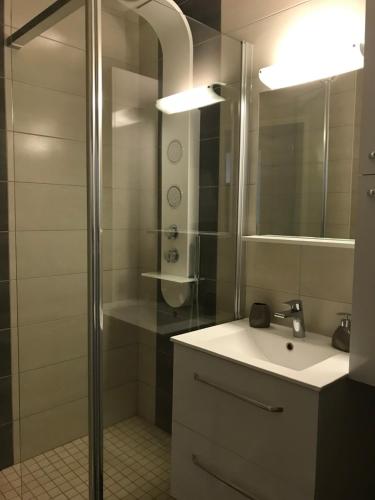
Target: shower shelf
169	277
300	240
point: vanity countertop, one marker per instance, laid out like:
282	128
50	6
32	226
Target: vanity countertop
311	361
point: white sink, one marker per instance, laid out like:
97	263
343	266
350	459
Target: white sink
275	344
310	361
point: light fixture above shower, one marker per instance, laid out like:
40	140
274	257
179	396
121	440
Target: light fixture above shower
317	66
195	98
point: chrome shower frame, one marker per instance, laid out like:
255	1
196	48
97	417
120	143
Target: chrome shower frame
94	100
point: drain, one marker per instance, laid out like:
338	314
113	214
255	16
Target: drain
290	346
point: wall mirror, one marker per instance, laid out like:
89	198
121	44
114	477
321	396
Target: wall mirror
308	159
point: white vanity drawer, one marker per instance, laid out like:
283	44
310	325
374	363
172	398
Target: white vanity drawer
237	408
202	470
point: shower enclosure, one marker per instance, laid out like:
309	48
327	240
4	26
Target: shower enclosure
116	253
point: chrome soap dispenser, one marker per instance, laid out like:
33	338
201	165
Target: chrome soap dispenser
341	337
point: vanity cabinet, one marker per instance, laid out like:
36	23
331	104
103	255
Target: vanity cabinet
362	344
242	433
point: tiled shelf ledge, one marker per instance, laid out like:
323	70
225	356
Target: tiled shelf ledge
169	277
301	240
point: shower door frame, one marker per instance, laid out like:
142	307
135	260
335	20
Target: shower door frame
94	135
94	101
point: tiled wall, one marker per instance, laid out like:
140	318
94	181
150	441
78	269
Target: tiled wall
6	378
322	277
47	196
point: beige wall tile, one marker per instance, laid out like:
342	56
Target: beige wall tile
120	208
119	403
120	39
338	208
120	249
342	108
50	207
146	402
237	14
341	142
52	342
117	333
10	156
46	299
321	315
12	255
9	116
44	62
120	285
54	427
273	266
7	53
70	31
340	176
275	299
327	273
11	207
49	253
148	250
147	337
7	12
48	112
49	160
250	213
51	386
147	364
120	366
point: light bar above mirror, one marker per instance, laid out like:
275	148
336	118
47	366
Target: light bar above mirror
334	61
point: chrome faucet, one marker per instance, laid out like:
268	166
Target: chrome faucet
296	313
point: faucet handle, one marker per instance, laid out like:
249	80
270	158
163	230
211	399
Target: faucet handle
295	304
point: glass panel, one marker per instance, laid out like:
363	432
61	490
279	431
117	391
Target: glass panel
169	224
46	112
291	160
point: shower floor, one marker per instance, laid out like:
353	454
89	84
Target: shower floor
136	466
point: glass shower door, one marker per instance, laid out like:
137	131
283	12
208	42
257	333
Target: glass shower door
168	235
46	155
169	223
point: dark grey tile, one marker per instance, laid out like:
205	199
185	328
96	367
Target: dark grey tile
6	446
210	121
4	305
207	298
5	400
4	257
208	208
205	12
163	411
164	372
209	159
5	353
3	206
208	257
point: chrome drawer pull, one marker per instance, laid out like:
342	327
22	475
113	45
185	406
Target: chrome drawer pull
234	487
242	397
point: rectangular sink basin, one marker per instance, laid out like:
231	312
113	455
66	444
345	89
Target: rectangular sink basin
310	361
276	346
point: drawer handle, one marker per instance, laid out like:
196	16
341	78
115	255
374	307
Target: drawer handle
242	397
214	474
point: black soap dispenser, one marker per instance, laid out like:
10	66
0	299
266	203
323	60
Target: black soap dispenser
341	337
